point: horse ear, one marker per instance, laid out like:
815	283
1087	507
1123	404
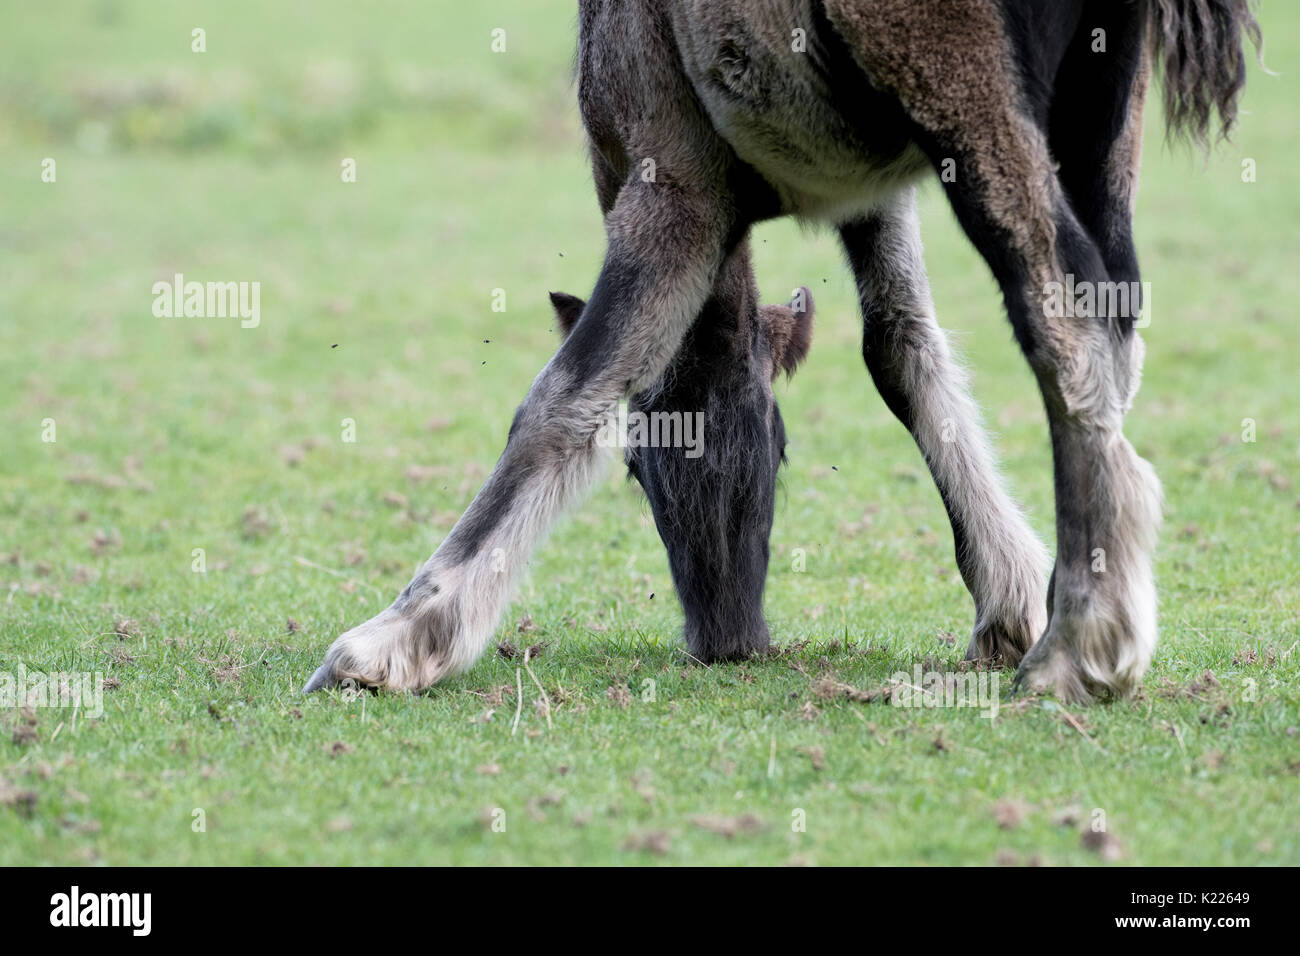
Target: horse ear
568	308
789	329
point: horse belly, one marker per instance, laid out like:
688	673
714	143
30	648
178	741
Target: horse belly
795	108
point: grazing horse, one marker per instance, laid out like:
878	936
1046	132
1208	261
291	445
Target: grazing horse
707	116
714	509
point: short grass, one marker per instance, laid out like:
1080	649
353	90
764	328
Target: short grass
180	434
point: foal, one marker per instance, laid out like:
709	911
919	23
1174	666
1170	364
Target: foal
708	116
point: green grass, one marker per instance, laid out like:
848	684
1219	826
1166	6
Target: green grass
179	434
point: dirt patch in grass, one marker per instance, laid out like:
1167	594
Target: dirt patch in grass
226	670
1102	843
21	800
495	696
658	842
829	687
1206	687
510	652
1248	657
747	824
254	524
1010	813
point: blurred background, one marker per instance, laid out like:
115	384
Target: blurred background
470	177
177	434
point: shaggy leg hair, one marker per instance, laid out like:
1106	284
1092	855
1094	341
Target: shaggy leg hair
1001	559
1010	201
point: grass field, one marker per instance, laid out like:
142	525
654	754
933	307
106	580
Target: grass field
179	434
